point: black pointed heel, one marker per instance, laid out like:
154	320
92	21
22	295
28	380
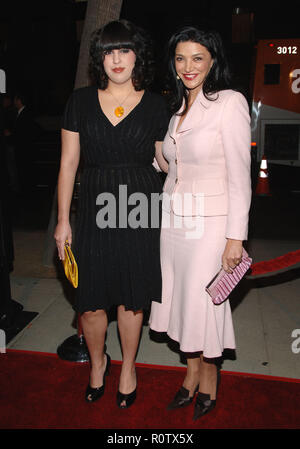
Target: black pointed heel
182	398
93	394
204	404
129	398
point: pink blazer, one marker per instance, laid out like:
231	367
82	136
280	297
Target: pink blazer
209	172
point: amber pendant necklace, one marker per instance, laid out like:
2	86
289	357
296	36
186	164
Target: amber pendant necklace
119	111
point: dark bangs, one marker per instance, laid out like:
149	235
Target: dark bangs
115	36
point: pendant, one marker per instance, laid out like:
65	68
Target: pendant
119	111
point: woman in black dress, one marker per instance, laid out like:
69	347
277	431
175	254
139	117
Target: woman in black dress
117	127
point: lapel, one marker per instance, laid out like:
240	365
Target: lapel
174	123
198	108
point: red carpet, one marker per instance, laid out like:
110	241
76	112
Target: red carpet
40	391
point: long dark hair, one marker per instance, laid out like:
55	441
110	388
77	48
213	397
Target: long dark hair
122	34
218	78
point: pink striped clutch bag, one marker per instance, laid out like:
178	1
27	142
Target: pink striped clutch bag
223	283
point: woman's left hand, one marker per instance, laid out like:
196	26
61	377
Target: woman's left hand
232	255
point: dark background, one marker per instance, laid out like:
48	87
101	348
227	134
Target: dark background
39	40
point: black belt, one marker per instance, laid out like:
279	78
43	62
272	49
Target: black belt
112	165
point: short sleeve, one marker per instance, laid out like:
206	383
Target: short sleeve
163	118
70	119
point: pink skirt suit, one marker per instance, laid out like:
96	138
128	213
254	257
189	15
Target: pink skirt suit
207	196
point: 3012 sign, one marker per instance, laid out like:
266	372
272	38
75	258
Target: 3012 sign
287	50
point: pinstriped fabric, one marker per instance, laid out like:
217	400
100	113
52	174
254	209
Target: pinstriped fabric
224	283
116	265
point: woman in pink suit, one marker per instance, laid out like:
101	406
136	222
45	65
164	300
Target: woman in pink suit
207	196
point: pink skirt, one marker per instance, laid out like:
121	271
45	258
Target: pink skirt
191	253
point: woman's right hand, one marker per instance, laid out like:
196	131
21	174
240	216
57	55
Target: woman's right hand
62	233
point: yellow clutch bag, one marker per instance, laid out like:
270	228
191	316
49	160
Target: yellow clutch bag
70	265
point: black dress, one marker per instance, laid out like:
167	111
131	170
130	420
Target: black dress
119	263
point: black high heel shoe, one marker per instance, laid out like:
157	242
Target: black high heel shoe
203	403
182	398
93	394
128	398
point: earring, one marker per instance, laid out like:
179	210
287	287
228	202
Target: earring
178	77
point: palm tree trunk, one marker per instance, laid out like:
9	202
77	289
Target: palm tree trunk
98	13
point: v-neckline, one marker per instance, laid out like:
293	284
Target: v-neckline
105	116
177	125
